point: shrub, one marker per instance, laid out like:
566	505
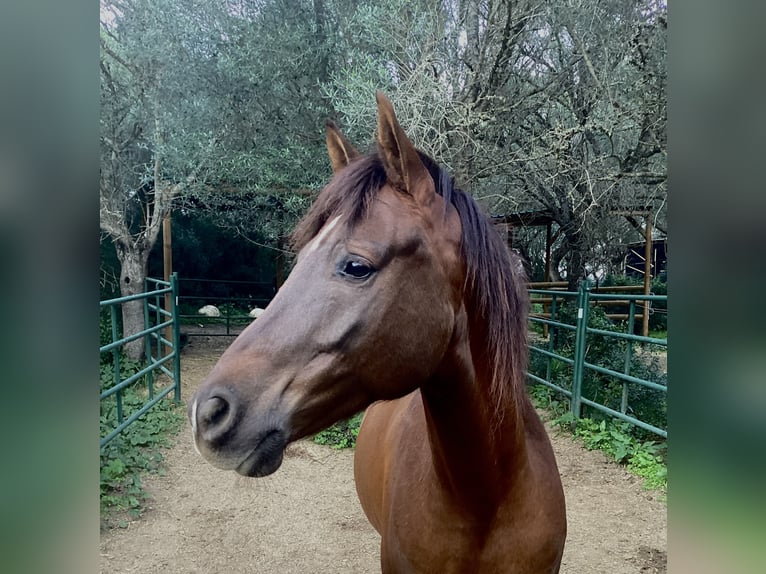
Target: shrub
645	458
658	316
342	434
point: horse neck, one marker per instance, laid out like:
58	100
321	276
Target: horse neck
476	453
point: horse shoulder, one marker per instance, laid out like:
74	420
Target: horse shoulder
380	438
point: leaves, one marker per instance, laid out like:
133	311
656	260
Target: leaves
136	449
614	437
555	106
644	404
342	434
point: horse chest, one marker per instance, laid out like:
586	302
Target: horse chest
426	534
414	544
435	549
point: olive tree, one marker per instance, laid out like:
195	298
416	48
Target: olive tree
158	136
555	106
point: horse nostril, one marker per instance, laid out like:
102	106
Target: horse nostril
213	411
215	417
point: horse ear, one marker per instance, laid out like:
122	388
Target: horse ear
400	158
339	149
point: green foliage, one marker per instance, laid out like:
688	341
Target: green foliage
234	97
645	458
658	319
136	450
105	328
627	444
506	130
658	315
232	244
342	434
545	398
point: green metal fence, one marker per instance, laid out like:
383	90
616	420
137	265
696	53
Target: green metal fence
162	355
218	292
584	299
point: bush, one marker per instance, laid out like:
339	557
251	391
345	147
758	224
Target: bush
658	316
342	434
645	458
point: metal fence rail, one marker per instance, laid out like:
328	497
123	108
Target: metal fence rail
162	355
584	299
218	293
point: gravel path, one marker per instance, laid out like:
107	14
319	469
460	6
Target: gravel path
306	518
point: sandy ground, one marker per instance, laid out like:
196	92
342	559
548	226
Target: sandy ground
306	518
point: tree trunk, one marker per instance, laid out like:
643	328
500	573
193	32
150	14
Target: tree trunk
132	278
576	259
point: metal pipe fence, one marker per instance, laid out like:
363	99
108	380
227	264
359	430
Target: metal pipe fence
585	339
162	356
217	292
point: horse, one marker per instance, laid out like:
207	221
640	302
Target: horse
403	300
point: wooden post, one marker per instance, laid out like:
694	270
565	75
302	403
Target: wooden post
167	260
547	277
647	270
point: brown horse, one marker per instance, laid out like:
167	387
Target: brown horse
403	298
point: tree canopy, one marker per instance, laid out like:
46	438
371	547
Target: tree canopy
220	106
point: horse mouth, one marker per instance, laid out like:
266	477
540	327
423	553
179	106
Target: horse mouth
266	457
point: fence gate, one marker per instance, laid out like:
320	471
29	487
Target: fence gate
584	336
161	349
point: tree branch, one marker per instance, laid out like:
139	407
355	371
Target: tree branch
116	57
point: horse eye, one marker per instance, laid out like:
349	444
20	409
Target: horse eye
357	269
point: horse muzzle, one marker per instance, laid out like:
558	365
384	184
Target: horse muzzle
228	439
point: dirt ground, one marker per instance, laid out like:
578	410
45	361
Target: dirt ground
305	518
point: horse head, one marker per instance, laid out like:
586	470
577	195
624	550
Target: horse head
366	314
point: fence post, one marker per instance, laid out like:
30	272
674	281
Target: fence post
116	359
176	337
148	342
583	302
628	355
551	337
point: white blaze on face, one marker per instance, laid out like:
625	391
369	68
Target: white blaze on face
194	426
322	234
